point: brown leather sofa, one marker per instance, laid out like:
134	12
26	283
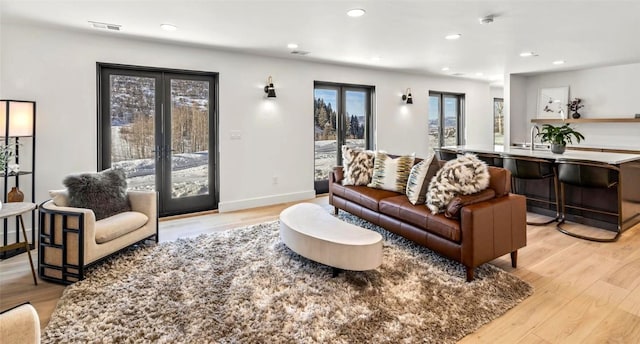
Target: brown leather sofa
486	230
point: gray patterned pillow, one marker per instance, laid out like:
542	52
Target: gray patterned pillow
357	165
463	176
391	174
104	192
418	182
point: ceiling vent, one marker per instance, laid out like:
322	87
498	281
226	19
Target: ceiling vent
105	26
457	74
300	52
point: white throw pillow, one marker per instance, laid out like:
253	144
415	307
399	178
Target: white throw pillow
417	184
391	174
60	197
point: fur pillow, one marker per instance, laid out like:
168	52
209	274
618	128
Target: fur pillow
104	192
463	176
357	166
391	174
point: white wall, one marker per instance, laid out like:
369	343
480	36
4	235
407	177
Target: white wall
58	70
606	92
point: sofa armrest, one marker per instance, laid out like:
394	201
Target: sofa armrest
20	324
144	202
336	175
493	228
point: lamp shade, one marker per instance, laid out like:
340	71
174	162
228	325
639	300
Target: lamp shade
19	115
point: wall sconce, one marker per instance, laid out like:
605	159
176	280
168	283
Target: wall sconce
407	97
20	115
269	89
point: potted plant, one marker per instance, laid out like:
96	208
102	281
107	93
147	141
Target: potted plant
574	106
559	136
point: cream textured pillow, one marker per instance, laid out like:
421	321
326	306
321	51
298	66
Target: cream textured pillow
391	174
418	183
463	176
60	197
357	166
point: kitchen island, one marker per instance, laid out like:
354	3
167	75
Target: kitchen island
623	200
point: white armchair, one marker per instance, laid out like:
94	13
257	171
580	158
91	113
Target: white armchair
62	259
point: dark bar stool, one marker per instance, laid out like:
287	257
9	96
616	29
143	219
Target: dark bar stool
532	168
445	154
490	159
592	175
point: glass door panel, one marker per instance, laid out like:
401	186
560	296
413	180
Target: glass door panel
325	131
451	112
189	115
356	103
434	123
132	113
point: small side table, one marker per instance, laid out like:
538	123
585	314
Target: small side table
17	209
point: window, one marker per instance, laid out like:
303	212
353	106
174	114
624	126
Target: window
446	120
498	121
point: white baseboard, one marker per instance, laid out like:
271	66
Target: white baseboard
264	201
11	235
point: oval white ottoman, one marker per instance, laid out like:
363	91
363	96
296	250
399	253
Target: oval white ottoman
313	233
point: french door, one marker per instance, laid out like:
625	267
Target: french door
446	119
342	116
159	126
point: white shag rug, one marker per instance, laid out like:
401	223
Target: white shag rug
246	286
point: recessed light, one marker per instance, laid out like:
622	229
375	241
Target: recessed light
528	54
445	68
479	74
558	62
453	36
168	27
292	46
356	12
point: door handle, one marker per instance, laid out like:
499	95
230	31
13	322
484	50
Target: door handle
159	151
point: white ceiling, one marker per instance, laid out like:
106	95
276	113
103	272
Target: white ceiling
405	35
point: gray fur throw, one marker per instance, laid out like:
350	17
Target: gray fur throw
463	176
103	192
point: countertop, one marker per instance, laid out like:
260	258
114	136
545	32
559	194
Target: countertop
602	157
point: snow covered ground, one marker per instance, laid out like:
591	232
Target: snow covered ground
189	174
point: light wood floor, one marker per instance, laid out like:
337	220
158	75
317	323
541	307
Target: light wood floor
584	292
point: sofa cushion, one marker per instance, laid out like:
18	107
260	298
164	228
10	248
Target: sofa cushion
463	176
362	195
118	225
453	208
419	215
391	173
357	165
103	192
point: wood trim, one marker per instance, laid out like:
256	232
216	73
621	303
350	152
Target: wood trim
586	120
607	150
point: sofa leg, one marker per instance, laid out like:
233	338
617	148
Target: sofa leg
514	259
469	274
336	210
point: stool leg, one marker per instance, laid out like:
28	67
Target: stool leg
24	233
583	237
